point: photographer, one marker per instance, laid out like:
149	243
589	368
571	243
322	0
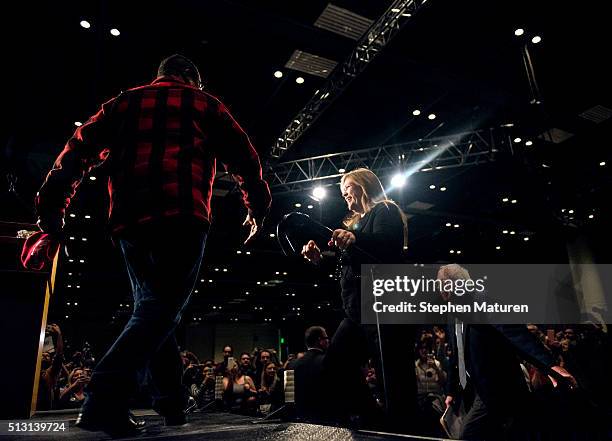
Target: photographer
51	368
202	388
430	376
74	395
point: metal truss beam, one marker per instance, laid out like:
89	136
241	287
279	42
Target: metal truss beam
368	47
459	150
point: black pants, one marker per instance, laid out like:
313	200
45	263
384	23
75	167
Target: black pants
163	271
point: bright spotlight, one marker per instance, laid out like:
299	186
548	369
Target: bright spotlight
529	143
517	140
432	116
85	24
432	187
602	163
115	32
299	80
537	39
416	112
398	180
518	32
78	123
278	74
319	193
341	170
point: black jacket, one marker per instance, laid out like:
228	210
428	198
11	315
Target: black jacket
311	387
492	358
379	239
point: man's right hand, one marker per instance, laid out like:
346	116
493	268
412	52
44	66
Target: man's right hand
448	401
312	252
255	224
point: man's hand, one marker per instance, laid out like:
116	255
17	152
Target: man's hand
255	225
564	373
342	239
311	252
448	401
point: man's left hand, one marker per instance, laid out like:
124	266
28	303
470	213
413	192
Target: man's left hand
342	239
565	374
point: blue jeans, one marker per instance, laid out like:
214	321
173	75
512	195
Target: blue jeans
163	270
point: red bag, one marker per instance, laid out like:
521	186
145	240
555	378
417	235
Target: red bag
39	250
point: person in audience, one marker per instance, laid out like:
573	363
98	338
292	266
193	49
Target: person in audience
204	391
51	368
245	365
240	393
73	395
263	357
223	367
270	390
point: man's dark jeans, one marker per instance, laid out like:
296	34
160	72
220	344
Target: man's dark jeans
163	262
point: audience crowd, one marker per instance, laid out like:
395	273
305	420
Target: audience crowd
252	383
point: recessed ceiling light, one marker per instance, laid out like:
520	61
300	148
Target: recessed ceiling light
505	200
448	224
299	80
518	32
341	170
431	116
310	207
78	123
498	247
442	188
85	24
512	232
529	143
92	178
433	187
87	216
571	212
416	112
298	205
278	74
115	32
272	235
238	252
452	251
537	39
591	216
525	239
456	225
517	140
514	201
602	163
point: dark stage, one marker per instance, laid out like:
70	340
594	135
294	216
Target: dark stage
209	426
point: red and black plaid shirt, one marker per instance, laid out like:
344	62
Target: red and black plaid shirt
162	141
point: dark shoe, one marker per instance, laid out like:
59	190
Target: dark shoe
120	426
178	419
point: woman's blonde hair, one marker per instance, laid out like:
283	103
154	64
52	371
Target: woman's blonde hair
372	194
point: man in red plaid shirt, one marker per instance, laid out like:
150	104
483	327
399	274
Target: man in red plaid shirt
160	142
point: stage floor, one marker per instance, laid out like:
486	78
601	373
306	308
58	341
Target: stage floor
208	426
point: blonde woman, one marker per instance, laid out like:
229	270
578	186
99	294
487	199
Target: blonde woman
374	223
374	231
